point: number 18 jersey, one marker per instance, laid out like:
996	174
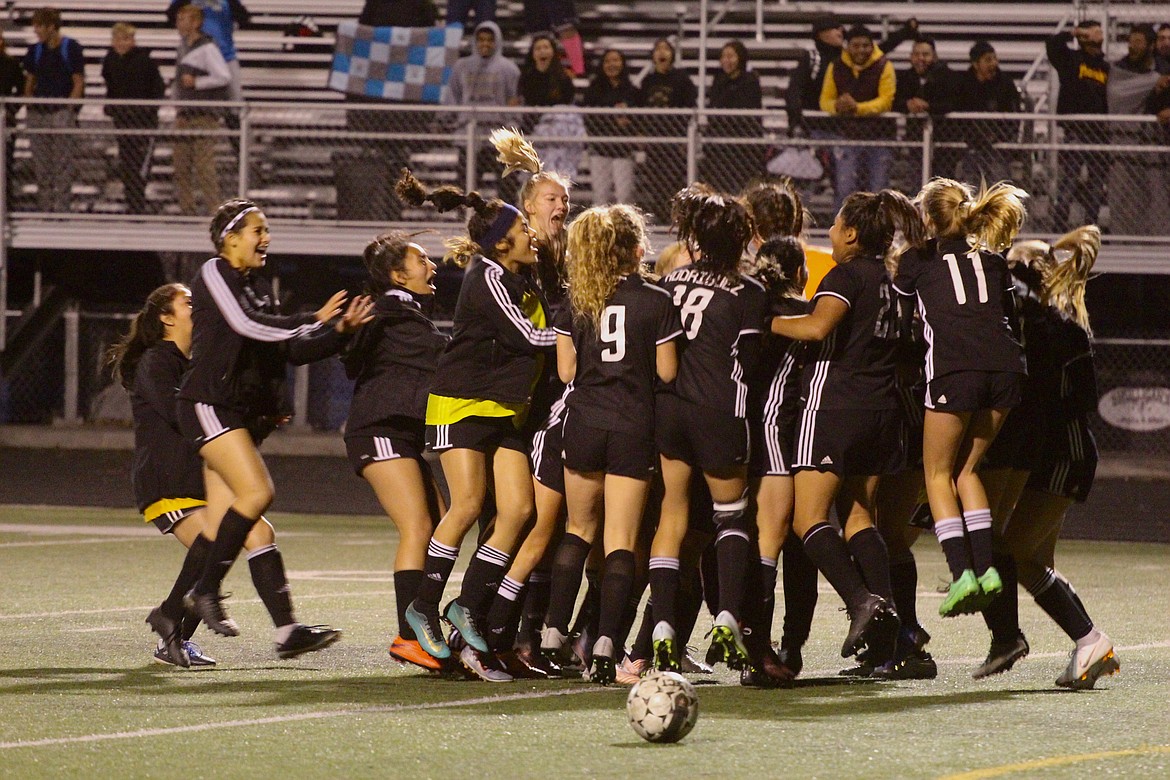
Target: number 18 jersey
717	313
964	296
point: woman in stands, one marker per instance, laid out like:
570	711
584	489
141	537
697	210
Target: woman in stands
1065	386
475	414
393	360
615	339
974	368
702	425
611	165
850	429
233	397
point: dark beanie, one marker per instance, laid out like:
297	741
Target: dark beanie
979	49
824	22
858	31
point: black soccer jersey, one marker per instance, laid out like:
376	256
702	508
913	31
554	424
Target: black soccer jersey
719	317
776	384
617	368
853	368
966	304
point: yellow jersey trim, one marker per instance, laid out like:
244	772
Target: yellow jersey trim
164	505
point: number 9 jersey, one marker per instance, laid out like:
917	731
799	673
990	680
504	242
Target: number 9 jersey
965	302
717	313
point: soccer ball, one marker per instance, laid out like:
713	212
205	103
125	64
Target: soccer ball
662	707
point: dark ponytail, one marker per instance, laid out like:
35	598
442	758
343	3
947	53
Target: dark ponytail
878	217
227	219
447	198
714	227
146	330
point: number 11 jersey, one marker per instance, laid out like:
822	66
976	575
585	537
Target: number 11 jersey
964	300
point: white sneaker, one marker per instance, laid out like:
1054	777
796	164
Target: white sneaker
1089	663
472	661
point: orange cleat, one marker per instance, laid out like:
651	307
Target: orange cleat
408	651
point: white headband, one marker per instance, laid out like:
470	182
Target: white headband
236	219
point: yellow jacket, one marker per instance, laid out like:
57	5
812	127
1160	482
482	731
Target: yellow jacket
887	84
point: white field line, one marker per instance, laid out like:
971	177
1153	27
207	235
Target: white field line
303	716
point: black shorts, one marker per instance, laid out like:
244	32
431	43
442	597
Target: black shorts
547	467
167	521
970	391
397	437
772	446
1068	464
482	434
850	442
590	449
1020	443
701	437
201	423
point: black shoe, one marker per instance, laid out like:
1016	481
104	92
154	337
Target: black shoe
790	657
209	608
306	639
171	635
516	665
918	665
859	671
863	619
1002	656
535	659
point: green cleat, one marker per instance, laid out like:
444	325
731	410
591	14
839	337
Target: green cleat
665	658
460	619
959	597
990	586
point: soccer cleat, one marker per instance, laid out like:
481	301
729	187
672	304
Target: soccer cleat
514	664
990	586
918	665
209	608
409	651
168	631
727	645
692	665
429	632
460	619
195	653
864	619
583	648
859	671
629	671
1088	664
483	666
766	671
306	639
960	596
532	657
663	644
790	656
1001	657
601	669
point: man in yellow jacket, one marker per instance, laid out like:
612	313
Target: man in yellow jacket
858	88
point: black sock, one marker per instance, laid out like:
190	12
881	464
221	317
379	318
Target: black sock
978	525
190	625
568	566
733	549
827	550
616	583
1055	596
767	595
904	584
482	580
664	578
1002	615
954	545
193	565
233	530
268	576
868	549
504	614
590	609
536	597
800	592
436	572
630	614
406	585
644	642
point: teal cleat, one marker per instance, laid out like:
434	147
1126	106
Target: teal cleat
460	618
428	632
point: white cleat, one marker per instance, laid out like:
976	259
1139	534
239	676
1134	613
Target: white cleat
474	662
1087	664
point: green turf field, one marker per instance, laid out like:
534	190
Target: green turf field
80	695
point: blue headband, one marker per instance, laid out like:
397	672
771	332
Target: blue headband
500	227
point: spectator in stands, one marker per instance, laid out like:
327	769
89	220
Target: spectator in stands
859	87
560	18
1159	105
981	88
201	74
666	165
1162	49
1083	74
1133	176
485	78
544	81
11	85
458	11
728	167
130	74
611	166
924	88
220	18
54	68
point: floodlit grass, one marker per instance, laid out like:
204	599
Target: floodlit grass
80	695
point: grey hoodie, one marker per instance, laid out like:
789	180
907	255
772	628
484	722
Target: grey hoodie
484	81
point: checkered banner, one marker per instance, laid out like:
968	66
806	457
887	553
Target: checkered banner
410	64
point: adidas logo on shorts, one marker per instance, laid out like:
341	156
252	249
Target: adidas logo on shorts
942	399
826	461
